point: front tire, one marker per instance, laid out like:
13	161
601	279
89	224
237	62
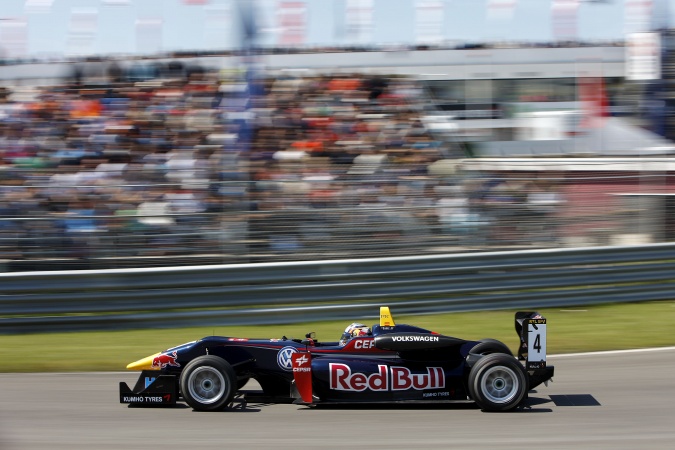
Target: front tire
208	383
497	382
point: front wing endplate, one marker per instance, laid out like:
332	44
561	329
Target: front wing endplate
151	389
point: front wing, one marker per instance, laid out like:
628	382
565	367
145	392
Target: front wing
151	389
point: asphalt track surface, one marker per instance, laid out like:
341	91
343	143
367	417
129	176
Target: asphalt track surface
608	401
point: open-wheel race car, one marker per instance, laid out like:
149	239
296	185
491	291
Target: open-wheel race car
387	362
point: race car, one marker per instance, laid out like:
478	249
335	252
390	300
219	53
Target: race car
387	362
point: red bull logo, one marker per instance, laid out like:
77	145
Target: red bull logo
165	359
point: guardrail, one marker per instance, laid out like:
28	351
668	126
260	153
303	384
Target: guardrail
266	293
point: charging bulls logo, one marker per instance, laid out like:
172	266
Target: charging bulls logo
165	359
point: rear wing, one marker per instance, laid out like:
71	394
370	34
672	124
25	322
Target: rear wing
531	328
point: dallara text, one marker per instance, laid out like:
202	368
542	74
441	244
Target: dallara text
387	362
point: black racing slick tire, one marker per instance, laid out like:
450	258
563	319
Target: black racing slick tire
208	383
497	382
489	346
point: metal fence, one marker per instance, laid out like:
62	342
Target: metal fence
262	293
296	220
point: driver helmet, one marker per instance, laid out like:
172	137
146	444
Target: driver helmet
354	330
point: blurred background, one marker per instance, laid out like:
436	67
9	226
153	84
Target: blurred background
138	133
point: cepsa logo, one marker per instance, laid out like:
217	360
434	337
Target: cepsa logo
364	344
395	378
302	360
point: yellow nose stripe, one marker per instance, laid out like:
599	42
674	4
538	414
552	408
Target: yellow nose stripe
143	364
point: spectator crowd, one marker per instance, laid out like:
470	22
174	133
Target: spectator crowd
195	165
196	161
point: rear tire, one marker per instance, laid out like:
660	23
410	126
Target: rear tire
208	383
497	382
489	346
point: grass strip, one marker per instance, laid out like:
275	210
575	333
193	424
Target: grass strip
573	329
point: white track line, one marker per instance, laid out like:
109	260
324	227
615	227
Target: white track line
613	352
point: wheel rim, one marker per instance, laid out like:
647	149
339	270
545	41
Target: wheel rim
207	385
499	384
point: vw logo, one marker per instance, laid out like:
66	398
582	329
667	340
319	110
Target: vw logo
284	358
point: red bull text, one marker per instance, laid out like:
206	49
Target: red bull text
393	378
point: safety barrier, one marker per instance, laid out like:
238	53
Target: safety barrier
264	293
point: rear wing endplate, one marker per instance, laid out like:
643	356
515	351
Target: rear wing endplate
531	328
